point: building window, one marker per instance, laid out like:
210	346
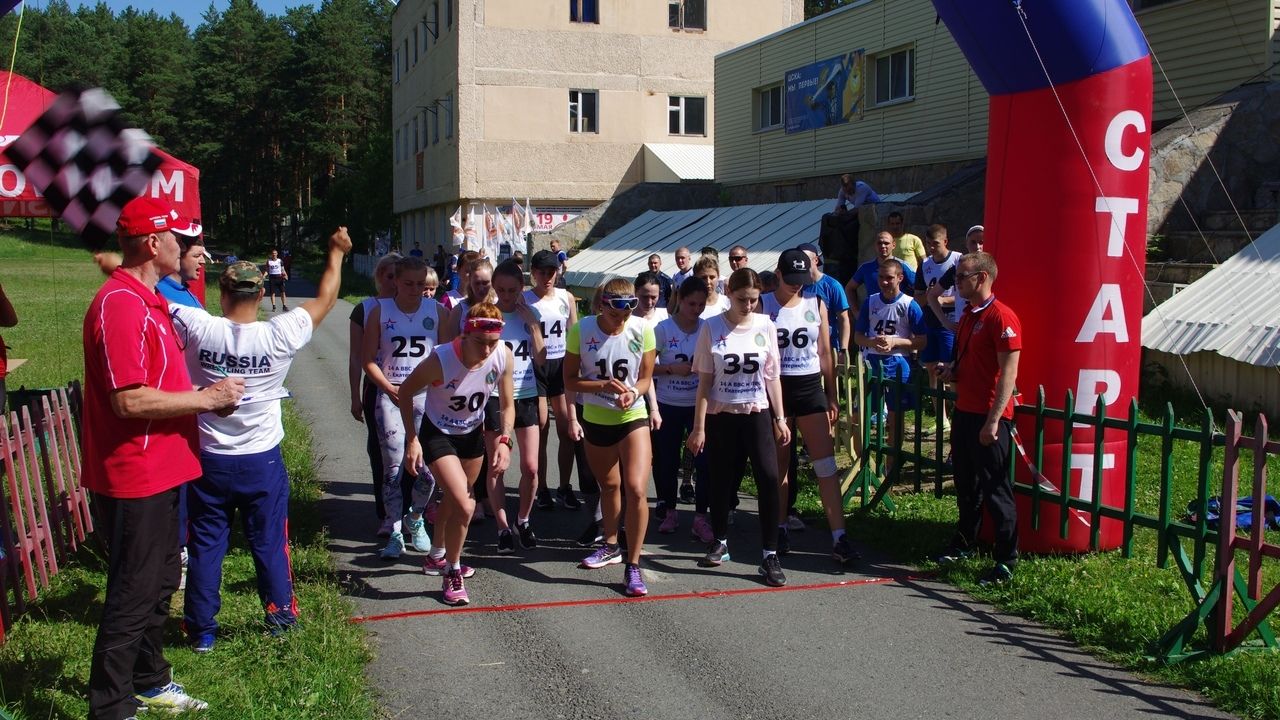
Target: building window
415	44
583	111
435	126
397	66
416	138
896	76
448	8
584	11
404	53
397	151
768	107
686	115
687	14
448	115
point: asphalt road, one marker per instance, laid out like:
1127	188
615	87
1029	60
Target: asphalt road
544	639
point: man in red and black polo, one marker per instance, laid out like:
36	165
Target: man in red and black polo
984	369
139	445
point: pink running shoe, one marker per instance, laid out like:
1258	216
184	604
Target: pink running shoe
635	581
437	566
670	521
702	529
455	592
604	555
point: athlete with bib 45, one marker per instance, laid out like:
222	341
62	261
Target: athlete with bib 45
458	378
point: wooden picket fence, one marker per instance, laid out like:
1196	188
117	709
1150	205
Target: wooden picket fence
44	512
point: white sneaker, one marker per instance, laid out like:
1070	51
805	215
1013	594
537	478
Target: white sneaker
171	698
394	548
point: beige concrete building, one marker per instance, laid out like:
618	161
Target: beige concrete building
554	101
924	112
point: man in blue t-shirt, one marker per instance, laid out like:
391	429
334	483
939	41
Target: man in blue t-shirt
868	274
174	287
828	289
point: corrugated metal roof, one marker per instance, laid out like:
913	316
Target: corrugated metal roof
686	162
765	230
1234	310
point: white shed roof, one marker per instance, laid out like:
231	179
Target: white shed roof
1234	310
765	230
675	162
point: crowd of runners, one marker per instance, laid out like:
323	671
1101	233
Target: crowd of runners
726	371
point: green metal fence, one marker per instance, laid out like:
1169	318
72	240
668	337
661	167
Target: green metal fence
920	461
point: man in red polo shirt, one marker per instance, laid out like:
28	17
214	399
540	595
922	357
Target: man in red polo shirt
984	369
139	445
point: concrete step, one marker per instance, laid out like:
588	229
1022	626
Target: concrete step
1182	273
1255	220
1212	246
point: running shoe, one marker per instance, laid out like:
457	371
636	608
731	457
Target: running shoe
717	555
771	571
794	522
701	530
634	580
506	543
567	498
420	540
952	554
842	551
998	575
203	644
384	530
171	698
784	540
394	548
670	521
436	566
604	555
284	308
524	534
544	501
455	591
590	535
686	494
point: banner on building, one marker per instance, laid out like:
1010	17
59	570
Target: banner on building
828	92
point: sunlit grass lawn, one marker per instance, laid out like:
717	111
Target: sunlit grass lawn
316	671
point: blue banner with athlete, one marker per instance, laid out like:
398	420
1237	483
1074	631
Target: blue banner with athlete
825	93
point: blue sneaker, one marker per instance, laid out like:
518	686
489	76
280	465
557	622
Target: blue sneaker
171	698
203	644
419	538
394	548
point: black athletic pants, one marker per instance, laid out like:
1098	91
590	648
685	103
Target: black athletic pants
731	440
368	398
982	480
143	570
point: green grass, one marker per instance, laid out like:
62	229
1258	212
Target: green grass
1113	606
316	671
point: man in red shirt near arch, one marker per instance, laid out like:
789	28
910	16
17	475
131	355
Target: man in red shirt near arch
985	370
139	445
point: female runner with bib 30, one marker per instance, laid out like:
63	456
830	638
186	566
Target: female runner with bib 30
609	361
738	415
459	377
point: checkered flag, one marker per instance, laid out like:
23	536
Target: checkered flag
85	162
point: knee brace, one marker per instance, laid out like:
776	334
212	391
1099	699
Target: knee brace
825	467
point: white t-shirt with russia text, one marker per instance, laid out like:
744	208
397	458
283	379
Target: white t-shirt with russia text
261	353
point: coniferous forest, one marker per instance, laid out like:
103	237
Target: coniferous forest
287	116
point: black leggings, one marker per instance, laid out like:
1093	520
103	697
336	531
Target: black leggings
731	440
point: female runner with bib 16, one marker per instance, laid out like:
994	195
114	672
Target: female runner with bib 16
459	377
738	415
608	361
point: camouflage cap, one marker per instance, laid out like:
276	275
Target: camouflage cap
241	277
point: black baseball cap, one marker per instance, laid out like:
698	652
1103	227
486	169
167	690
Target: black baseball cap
793	267
545	260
